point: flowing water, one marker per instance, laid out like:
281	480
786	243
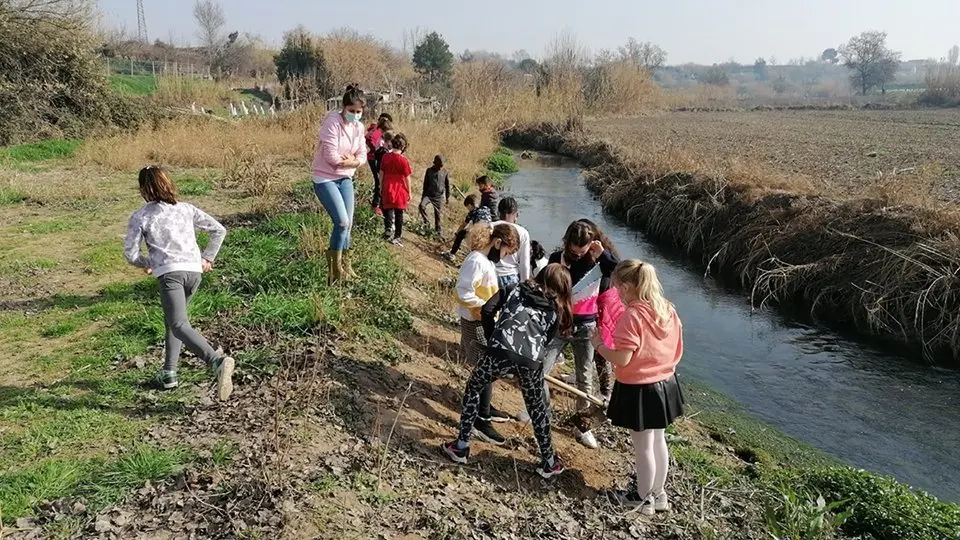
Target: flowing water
877	411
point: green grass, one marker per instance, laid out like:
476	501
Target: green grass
135	85
59	329
10	196
53	226
103	257
40	151
189	186
56	439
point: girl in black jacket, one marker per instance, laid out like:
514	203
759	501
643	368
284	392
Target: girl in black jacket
530	316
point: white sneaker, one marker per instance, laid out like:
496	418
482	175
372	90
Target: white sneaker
224	373
661	504
587	439
646	506
523	417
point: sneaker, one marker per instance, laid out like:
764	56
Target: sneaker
455	454
587	439
660	502
547	471
484	431
449	256
224	371
631	499
397	242
570	378
387	235
523	416
165	380
497	415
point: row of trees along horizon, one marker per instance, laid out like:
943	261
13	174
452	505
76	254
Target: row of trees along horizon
304	57
51	60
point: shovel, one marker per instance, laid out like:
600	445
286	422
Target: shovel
592	416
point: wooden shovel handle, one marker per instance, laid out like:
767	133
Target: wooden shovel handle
575	391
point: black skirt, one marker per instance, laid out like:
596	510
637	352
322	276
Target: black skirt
646	406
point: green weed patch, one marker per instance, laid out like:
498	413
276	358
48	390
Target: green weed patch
40	151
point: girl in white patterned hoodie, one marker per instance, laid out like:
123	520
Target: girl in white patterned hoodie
476	284
168	227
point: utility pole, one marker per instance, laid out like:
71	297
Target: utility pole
141	23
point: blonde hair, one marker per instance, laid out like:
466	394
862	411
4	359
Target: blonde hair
641	279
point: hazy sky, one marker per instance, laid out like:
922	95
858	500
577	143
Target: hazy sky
703	31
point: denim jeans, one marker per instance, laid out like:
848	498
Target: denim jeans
583	361
336	196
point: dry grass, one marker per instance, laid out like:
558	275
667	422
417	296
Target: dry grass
181	91
878	265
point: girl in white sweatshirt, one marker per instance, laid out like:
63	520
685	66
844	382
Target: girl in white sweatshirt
477	284
169	228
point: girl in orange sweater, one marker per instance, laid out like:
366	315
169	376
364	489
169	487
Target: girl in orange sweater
645	349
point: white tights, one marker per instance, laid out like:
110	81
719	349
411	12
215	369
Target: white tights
651	460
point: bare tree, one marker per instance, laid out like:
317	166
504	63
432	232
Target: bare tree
872	63
644	55
412	37
211	20
565	53
953	57
65	14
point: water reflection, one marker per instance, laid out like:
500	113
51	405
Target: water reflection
874	410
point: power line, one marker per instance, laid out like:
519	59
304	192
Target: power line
141	23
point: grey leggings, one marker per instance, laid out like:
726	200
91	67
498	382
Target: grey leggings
176	288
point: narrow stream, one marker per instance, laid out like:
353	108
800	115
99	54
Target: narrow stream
873	410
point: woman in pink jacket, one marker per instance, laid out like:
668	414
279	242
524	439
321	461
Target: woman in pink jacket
341	148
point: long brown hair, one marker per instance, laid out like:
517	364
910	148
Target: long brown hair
554	280
156	186
598	234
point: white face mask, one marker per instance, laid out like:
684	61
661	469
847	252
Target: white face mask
353	117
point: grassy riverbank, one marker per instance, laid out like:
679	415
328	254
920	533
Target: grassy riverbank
343	393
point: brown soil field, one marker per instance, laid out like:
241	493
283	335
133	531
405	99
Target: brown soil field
845	153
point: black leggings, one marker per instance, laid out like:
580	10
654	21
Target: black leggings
393	220
375	169
457	240
490	368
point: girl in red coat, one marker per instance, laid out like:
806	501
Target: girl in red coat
395	182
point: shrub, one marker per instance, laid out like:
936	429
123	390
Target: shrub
503	164
52	86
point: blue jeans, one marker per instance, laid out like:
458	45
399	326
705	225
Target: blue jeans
336	196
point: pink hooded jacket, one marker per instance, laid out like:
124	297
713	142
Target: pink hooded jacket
609	310
338	138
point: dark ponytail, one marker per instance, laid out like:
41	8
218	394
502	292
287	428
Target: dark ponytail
354	96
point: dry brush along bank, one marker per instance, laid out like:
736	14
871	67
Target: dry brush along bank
888	272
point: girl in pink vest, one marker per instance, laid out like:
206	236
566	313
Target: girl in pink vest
647	346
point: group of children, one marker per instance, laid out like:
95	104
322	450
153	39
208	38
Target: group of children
614	315
518	310
391	172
